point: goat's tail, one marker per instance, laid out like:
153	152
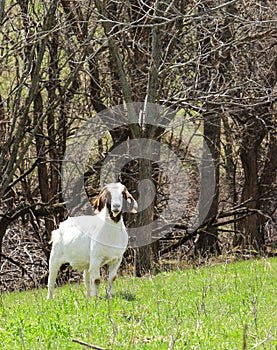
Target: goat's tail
55	235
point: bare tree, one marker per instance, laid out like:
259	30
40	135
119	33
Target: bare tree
35	118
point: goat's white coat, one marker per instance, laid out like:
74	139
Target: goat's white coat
87	243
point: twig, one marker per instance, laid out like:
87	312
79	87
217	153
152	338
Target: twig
261	342
18	264
91	346
244	345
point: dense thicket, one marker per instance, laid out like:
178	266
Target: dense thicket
64	61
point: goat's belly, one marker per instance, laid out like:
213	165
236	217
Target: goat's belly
78	255
79	266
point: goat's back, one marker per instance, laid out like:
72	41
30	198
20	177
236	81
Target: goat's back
77	236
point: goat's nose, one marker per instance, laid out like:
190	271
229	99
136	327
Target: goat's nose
116	206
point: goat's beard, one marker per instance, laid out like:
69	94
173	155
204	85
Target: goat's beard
115	216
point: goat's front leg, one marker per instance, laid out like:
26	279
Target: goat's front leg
94	276
87	283
112	276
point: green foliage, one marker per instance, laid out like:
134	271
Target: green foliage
230	306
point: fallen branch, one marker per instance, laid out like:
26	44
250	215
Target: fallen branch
91	346
204	227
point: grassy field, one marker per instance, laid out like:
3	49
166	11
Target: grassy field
228	306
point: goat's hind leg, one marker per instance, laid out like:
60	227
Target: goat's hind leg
54	265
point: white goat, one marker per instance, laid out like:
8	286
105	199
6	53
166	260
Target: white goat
89	242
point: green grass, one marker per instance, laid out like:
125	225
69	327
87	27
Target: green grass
229	306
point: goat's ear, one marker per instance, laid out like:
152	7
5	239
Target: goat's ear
100	201
131	202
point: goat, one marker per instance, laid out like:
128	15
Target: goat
89	242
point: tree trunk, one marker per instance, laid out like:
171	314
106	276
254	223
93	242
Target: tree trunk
143	254
208	243
248	235
254	196
268	184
